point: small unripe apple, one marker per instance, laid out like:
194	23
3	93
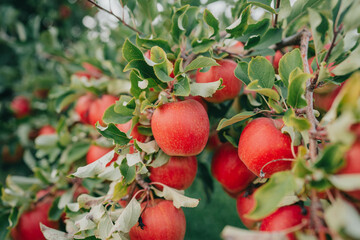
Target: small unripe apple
231	84
47	130
245	203
229	170
264	149
28	227
95	152
352	166
83	105
161	221
20	106
98	107
285	218
181	128
178	172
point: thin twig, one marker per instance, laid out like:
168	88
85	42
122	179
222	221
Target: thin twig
276	15
117	17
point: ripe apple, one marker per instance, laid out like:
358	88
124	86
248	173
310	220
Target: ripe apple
125	127
20	106
11	157
324	96
231	84
352	166
181	128
229	170
98	107
92	70
284	218
28	227
200	100
178	173
278	55
47	130
41	93
64	12
161	221
83	105
95	152
261	142
245	203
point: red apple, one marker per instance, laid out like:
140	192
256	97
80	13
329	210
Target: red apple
275	59
352	165
47	130
64	12
200	100
283	219
231	84
229	170
92	70
81	74
83	105
28	227
245	203
181	128
98	107
261	142
178	173
11	157
20	106
161	221
95	152
324	96
125	127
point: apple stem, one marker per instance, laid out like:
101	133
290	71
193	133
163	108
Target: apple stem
122	20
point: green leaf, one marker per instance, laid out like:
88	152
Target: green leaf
288	63
230	232
163	66
112	132
238	27
128	218
212	22
252	41
46	141
276	106
205	89
74	152
241	72
182	86
272	36
342	217
140	66
319	27
125	105
201	62
55	212
265	4
331	159
351	17
237	118
299	123
262	70
149	43
128	172
269	196
65	99
177	196
299	9
135	90
178	66
297	85
53	234
176	30
202	45
131	52
110	116
254	86
160	159
351	63
346	182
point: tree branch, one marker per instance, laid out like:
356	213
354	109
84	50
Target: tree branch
117	17
289	41
276	15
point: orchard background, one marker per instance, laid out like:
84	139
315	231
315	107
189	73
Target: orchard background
118	116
